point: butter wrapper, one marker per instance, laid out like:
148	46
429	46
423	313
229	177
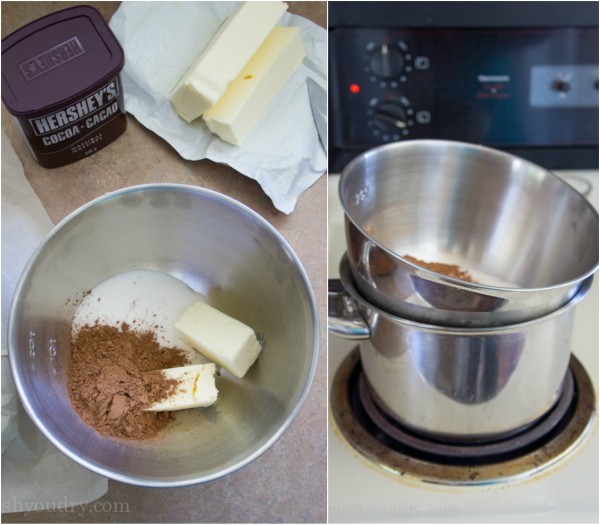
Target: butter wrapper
162	39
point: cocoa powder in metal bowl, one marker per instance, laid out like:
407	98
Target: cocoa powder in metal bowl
114	373
451	270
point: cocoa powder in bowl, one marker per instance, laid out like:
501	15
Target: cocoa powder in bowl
114	373
451	270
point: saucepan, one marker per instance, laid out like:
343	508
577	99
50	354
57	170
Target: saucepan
475	384
527	238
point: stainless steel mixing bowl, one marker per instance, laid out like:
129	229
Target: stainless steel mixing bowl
221	249
528	238
476	384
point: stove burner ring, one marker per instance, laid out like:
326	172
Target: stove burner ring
397	436
403	454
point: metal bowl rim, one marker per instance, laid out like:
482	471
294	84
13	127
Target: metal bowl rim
348	284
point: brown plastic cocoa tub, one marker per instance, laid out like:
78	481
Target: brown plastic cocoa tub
61	81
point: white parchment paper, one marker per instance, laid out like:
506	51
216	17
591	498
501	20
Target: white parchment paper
35	474
161	41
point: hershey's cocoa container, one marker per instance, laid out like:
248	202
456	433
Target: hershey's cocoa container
61	81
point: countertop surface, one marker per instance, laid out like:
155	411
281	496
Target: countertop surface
288	482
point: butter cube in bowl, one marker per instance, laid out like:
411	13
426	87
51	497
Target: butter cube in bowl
220	338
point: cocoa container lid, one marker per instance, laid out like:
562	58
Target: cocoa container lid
55	58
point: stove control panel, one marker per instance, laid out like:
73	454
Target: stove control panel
505	88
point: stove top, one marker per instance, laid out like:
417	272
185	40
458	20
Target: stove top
384	442
381	472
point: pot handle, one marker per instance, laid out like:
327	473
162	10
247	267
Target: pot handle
343	316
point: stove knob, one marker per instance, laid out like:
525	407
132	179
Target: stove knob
386	62
561	85
391	116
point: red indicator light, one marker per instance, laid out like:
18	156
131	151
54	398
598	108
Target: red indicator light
354	88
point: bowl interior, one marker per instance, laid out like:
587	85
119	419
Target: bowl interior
509	222
221	250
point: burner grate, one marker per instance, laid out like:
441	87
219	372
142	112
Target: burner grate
384	442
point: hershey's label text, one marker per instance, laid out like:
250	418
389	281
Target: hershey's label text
51	58
81	109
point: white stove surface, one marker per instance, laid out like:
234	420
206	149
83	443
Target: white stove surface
564	493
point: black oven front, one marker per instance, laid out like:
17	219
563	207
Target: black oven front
517	76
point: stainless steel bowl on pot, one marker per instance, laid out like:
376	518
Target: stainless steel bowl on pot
528	239
476	384
221	249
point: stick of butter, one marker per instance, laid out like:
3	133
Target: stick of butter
238	111
224	57
221	338
196	388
